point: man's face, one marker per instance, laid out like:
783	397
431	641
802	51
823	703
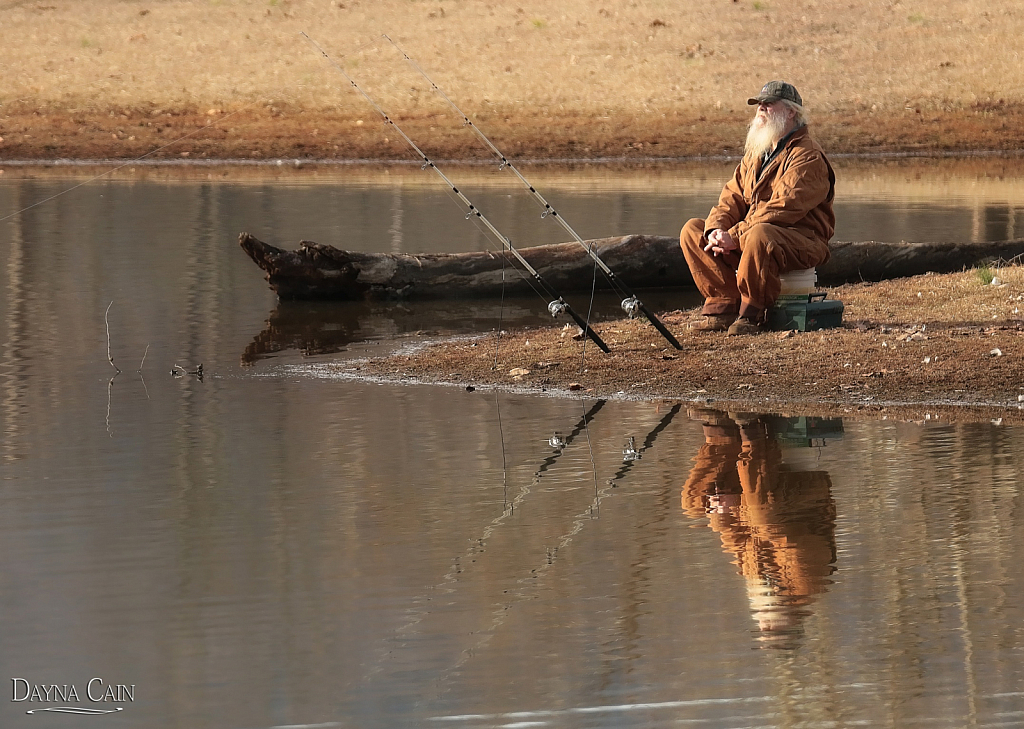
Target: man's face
771	122
772	110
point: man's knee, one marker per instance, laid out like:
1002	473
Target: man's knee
760	235
692	233
760	241
787	248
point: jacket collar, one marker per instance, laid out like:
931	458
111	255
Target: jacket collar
785	142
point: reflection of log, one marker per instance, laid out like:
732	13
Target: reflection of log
317	271
324	327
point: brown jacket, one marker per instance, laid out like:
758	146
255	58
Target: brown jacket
795	191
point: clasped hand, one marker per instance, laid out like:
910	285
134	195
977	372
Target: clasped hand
719	241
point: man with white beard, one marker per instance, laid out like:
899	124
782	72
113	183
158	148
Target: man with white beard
774	216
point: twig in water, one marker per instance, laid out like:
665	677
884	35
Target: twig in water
107	322
178	371
143	360
110	386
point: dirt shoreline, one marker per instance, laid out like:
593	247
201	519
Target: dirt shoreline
946	347
253	133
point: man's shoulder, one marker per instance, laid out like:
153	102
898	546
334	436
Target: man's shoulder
803	142
804	152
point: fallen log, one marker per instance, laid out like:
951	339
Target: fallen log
877	261
319	271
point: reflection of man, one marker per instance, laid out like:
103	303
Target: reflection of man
775	215
777	524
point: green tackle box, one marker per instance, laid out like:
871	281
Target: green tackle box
807	432
805	313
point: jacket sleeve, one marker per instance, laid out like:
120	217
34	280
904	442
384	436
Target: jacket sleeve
801	186
732	206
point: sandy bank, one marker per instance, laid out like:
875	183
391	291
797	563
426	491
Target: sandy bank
923	346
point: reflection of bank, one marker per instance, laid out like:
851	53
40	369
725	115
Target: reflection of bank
777	523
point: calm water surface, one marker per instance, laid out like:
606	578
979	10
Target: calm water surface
276	545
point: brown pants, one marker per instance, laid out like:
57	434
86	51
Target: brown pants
746	282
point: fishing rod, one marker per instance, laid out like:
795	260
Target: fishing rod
631	304
558	305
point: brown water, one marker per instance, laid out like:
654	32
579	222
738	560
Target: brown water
276	545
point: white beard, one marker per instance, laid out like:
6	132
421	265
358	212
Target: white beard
764	134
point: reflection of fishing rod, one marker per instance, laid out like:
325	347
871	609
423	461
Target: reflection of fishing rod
631	304
557	442
631	455
529	582
558	305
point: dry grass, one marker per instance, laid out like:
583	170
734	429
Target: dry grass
584	55
578	69
971	297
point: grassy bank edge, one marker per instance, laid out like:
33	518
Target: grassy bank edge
256	132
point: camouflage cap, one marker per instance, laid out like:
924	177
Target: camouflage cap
775	90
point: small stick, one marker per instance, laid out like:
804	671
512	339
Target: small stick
143	359
107	322
110	386
177	370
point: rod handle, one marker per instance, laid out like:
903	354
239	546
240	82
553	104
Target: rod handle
659	326
586	329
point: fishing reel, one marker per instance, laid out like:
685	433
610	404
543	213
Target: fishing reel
557	307
631	306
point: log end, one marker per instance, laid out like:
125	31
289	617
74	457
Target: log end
263	254
313	271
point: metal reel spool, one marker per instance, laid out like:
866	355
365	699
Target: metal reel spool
557	307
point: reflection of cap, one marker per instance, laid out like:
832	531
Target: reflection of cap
775	90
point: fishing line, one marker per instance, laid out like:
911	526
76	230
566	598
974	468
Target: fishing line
126	164
558	305
501	312
504	260
590	309
500	252
631	304
504	464
593	463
